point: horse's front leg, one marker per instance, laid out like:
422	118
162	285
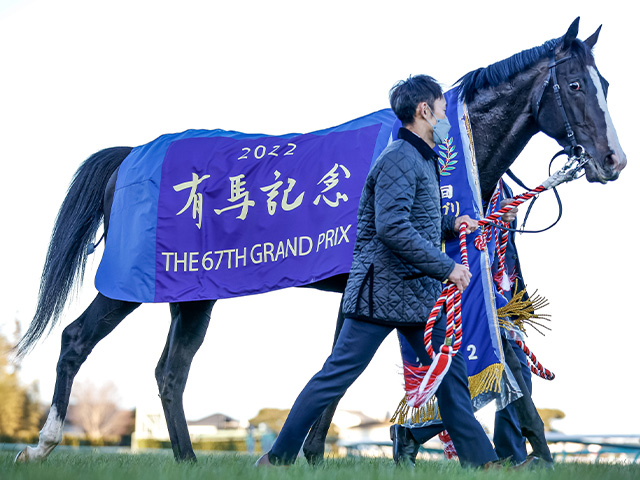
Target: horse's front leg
189	322
78	340
313	447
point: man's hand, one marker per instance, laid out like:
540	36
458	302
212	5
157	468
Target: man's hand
460	276
472	224
510	216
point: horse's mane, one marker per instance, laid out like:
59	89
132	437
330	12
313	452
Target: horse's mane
507	69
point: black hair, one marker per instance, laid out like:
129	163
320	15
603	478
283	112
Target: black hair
406	95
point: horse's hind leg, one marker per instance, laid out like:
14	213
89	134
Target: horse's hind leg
78	340
531	424
313	447
189	322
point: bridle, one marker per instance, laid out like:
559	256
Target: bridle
578	157
574	149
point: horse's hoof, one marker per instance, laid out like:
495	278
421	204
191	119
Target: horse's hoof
21	457
314	459
188	459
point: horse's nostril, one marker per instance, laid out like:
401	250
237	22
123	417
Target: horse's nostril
615	163
611	161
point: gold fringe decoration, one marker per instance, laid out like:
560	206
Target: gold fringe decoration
488	380
485	381
404	412
519	312
516	313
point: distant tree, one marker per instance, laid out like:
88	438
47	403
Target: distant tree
548	415
274	419
20	410
96	412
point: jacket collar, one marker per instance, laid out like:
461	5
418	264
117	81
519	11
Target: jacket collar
425	150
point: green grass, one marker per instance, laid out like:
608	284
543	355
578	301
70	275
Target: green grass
161	466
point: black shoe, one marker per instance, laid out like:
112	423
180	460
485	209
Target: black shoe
405	448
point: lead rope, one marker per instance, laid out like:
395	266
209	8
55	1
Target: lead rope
483	239
532	361
422	381
480	243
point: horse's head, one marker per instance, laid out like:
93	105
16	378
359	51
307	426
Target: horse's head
571	105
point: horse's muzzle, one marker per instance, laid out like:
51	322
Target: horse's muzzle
606	170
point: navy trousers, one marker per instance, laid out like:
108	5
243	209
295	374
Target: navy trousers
507	435
356	344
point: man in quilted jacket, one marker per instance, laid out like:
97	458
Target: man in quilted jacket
396	277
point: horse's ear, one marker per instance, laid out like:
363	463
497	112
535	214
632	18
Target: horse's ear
571	34
591	41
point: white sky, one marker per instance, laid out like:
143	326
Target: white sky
79	76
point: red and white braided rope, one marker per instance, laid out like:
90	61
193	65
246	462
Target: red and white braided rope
502	273
448	448
483	239
423	381
517	200
535	366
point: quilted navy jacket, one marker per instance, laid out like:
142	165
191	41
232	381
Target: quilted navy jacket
398	265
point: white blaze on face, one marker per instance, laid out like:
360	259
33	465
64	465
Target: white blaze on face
612	136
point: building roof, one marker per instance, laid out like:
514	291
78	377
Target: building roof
218	420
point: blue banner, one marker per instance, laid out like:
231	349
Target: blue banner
461	195
208	214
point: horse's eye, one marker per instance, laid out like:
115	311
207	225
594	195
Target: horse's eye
574	86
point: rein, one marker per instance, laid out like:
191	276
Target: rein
528	212
582	159
570	171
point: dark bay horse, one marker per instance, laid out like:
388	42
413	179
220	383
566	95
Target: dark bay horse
508	103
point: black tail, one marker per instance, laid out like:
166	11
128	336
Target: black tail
76	226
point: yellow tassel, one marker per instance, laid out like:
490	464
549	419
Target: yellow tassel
485	381
518	311
400	415
404	412
488	380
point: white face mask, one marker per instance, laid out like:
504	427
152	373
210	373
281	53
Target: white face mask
440	128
